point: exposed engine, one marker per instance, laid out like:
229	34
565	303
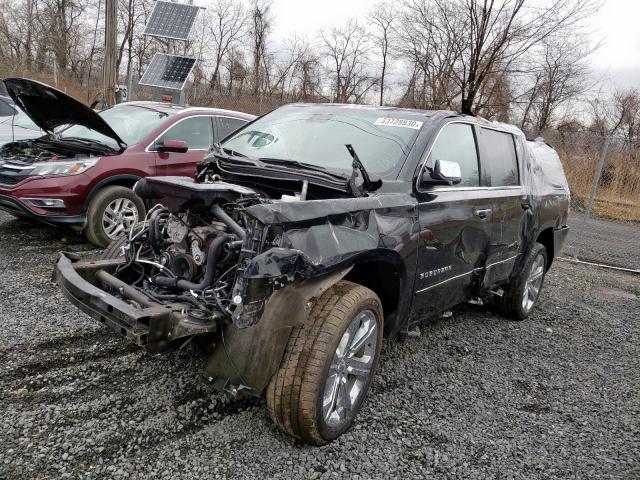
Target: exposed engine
190	254
31	151
187	253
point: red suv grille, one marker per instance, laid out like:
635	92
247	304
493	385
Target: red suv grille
8	179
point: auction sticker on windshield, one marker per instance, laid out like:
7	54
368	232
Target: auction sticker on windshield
398	122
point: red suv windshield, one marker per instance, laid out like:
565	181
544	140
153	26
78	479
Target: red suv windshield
131	123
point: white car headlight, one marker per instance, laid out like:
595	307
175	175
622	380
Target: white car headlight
73	167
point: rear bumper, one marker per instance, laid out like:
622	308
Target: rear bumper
156	327
12	205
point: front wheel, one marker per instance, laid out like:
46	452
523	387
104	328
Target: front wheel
328	365
521	295
111	214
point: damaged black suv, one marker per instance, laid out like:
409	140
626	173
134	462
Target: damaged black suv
316	229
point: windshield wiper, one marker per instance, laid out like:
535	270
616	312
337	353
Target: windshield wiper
367	185
233	152
293	163
303	166
222	151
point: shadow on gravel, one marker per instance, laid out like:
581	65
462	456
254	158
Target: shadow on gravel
66	359
32	230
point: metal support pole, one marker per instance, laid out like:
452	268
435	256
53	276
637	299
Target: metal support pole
592	195
109	66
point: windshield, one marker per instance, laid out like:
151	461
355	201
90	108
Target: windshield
131	124
318	135
21	120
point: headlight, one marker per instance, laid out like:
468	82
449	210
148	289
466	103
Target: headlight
55	167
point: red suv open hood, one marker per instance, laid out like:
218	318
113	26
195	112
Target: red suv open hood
50	108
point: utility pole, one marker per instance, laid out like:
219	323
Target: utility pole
109	66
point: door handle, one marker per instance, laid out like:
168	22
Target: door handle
526	206
483	213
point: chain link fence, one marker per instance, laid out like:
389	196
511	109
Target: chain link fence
604	176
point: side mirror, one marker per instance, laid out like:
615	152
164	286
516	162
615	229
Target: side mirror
442	173
177	146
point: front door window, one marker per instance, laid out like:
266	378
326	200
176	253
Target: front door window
456	143
196	131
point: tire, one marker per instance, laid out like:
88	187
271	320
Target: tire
311	364
113	250
132	210
512	303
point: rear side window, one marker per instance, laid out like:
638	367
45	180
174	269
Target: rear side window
227	125
196	131
499	160
456	143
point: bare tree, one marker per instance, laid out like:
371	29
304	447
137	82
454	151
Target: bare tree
62	20
347	49
501	32
495	96
382	20
236	67
432	50
17	32
616	113
498	58
462	49
627	103
559	74
261	23
286	65
226	23
309	76
133	15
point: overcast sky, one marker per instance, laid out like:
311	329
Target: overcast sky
618	60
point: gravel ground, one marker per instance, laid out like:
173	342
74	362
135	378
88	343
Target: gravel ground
605	241
475	396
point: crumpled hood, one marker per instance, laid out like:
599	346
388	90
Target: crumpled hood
50	108
303	211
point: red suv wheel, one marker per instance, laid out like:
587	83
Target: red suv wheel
111	214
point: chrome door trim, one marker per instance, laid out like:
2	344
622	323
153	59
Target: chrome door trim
502	261
467	273
445	281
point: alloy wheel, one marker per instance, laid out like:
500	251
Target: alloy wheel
118	218
350	368
533	283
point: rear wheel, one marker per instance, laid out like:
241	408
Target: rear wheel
521	295
111	214
328	365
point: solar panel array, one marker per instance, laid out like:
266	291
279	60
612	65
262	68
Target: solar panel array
171	20
167	71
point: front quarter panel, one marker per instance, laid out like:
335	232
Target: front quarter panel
321	236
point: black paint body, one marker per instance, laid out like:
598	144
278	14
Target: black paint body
421	249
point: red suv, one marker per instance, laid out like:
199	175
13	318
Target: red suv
81	172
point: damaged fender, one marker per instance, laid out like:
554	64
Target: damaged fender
319	237
251	356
